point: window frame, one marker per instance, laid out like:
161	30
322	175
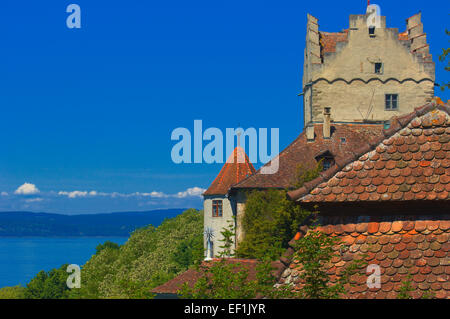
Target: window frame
327	157
381	68
217	208
388	106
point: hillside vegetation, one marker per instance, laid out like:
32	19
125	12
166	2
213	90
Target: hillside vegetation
150	257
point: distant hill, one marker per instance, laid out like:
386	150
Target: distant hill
25	224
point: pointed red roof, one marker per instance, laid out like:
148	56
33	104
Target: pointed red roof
236	168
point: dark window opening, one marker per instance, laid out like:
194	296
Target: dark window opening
372	31
326	159
378	68
217	208
391	102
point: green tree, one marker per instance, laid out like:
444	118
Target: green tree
313	251
221	280
442	58
48	285
271	219
15	292
189	252
269	223
304	175
106	244
146	260
228	234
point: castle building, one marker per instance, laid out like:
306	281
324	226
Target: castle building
354	82
365	73
371	117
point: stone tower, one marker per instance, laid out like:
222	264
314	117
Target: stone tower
365	73
219	208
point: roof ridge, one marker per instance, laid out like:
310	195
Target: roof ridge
279	155
397	123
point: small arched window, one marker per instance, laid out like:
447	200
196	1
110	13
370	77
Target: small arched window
326	158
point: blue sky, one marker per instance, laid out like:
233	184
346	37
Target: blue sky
87	114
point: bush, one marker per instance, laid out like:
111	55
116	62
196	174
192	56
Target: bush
313	251
269	223
15	292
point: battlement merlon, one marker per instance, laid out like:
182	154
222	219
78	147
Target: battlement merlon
312	48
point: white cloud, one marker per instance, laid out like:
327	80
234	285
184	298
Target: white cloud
190	192
26	189
33	200
74	194
151	194
157	194
193	191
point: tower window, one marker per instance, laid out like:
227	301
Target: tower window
216	208
378	68
372	31
391	102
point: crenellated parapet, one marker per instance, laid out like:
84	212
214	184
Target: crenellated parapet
367	72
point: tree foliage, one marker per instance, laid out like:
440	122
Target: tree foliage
15	292
228	234
145	261
221	281
269	223
106	244
315	250
445	54
48	285
304	175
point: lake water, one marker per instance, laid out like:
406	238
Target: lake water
22	258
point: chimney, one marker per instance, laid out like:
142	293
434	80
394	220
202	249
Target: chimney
326	122
310	133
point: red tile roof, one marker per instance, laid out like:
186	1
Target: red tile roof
236	168
191	276
412	162
403	36
415	245
345	139
328	40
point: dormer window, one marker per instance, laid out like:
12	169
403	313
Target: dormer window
327	160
